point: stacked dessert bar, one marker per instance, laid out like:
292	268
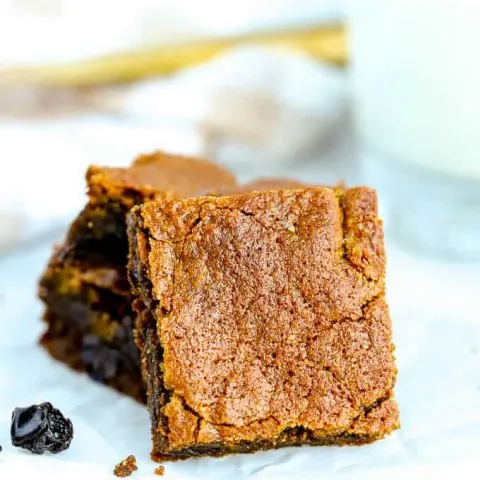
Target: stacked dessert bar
253	315
262	320
88	313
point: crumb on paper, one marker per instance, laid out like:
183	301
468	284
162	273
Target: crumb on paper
160	470
126	467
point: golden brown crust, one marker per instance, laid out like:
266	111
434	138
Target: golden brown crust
271	315
158	175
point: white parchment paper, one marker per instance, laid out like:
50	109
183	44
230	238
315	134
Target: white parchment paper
437	332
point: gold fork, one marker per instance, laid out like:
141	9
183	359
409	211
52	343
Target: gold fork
321	42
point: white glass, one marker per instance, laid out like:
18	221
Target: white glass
416	82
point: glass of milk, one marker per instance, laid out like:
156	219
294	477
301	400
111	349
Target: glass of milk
416	83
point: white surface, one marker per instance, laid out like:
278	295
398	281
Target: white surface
415	84
437	332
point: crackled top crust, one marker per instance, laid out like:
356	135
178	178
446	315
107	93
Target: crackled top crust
158	174
271	313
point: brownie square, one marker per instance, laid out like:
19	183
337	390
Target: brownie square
89	318
263	320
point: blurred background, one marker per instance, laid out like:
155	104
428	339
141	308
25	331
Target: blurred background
366	91
383	93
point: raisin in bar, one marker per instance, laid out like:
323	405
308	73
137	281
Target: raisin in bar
88	301
90	324
262	321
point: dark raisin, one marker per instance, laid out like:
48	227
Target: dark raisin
134	275
75	309
100	361
124	330
41	428
130	351
127	323
127	347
